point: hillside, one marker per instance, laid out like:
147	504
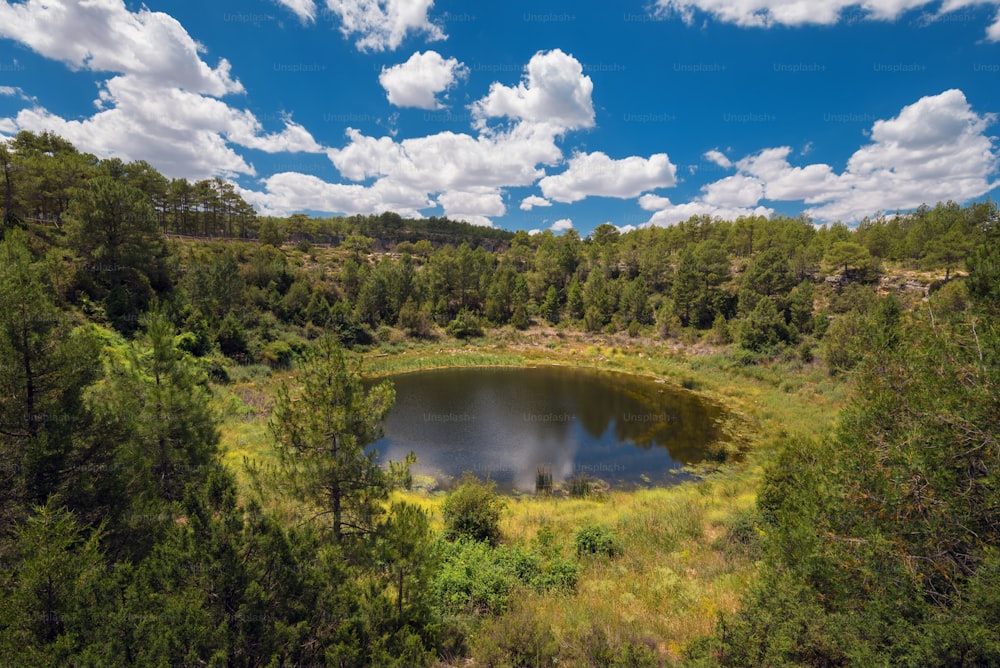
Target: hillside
170	493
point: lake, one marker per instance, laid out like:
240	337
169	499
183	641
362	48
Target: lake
506	423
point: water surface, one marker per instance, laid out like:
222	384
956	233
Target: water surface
506	423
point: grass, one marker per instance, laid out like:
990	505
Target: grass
674	576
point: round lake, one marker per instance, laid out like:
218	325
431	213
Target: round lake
506	424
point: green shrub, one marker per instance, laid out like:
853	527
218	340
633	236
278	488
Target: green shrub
277	355
472	580
476	578
465	326
599	540
473	511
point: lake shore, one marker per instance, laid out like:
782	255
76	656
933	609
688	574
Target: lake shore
686	556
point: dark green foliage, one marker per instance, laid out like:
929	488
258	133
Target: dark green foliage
45	366
721	332
769	275
574	300
232	339
54	584
550	307
598	540
407	559
465	326
882	538
270	233
800	307
984	270
763	328
697	295
847	255
114	228
477	578
472	510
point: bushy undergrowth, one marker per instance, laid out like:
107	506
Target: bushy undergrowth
598	540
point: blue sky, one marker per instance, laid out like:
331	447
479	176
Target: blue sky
526	115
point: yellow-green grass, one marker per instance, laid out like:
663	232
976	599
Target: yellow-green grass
674	576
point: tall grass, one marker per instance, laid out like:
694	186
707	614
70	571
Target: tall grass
675	574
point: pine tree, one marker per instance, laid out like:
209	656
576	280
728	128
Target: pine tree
321	430
550	307
45	365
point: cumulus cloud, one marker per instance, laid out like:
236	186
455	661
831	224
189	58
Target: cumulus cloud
719	158
767	13
418	81
531	201
384	24
290	192
667	213
163	106
595	174
184	134
993	32
103	35
474	206
304	9
466	174
734	191
450	161
934	149
562	225
554	91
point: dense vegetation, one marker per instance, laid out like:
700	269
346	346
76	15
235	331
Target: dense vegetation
124	539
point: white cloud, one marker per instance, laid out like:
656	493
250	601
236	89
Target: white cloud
767	13
450	161
993	32
473	206
562	225
383	24
102	35
466	174
728	199
734	191
182	133
671	214
417	82
162	107
290	192
810	184
304	9
935	149
554	91
719	158
292	139
531	201
653	202
595	174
